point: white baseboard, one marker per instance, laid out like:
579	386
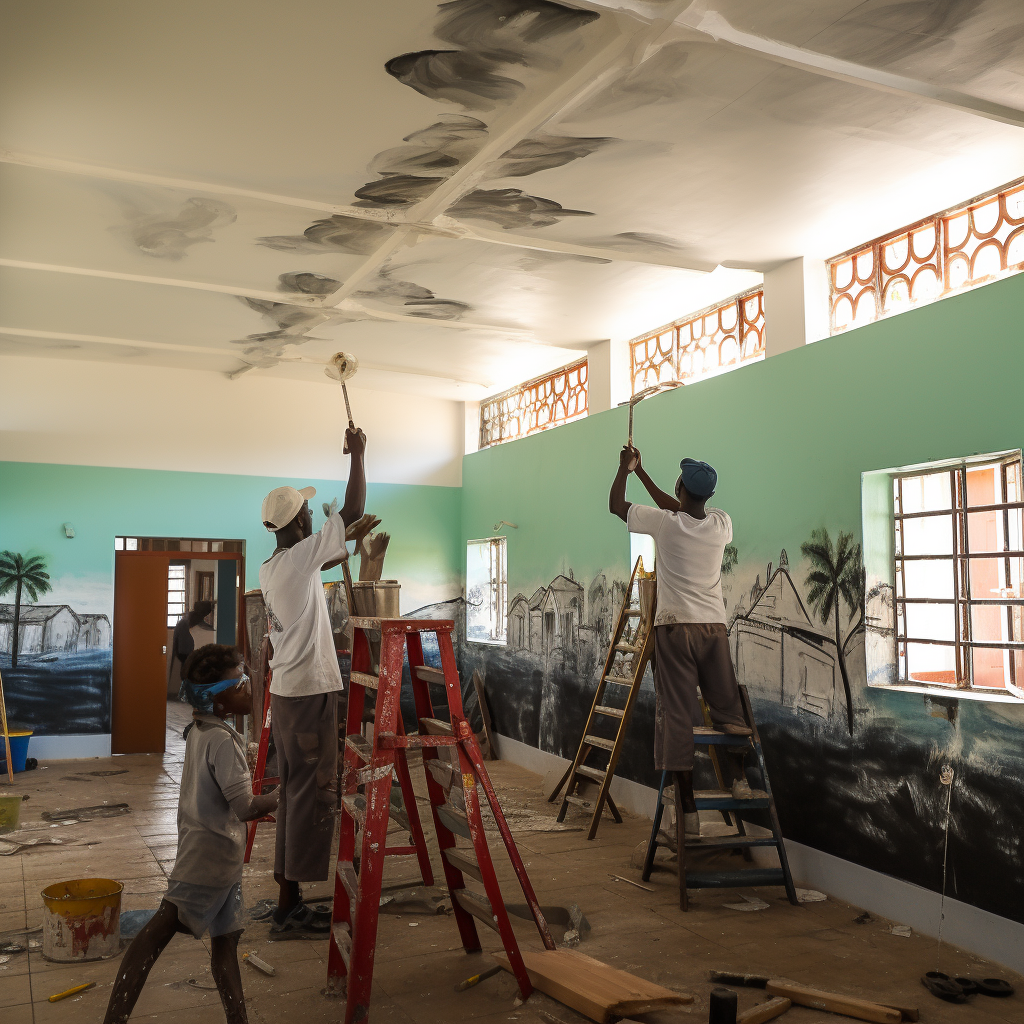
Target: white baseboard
69	748
988	935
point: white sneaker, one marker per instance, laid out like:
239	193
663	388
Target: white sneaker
741	790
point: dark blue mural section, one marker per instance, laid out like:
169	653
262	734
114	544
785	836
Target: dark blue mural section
59	695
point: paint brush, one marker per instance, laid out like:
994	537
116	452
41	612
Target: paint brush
342	367
71	991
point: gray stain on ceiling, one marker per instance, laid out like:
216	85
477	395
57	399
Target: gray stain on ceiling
169	236
334	234
458	76
511	208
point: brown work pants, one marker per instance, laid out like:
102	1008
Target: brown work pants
691	655
306	740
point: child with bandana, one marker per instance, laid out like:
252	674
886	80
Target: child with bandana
204	893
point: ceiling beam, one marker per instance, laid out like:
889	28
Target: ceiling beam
393	316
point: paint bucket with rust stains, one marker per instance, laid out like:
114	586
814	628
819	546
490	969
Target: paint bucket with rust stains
82	920
376	599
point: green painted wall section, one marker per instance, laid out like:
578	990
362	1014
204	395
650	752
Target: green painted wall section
789	436
37	499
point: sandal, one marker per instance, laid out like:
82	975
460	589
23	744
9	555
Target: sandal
302	922
943	986
995	987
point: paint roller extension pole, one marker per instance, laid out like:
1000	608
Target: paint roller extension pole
343	365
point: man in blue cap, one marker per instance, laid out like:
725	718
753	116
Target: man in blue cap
691	642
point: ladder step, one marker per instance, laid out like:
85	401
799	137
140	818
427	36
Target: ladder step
445	774
477	905
619	680
371	625
597	741
454	820
704	736
430	675
723	800
464	861
436	727
735	842
734	879
627	648
578	801
634	612
348	878
351	804
603	709
342	939
591	773
360	745
364	679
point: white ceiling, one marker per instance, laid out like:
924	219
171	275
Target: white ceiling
234	187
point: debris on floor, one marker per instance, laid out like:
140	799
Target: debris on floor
260	965
571	918
86	813
57	997
750	903
903	930
810	896
834	1002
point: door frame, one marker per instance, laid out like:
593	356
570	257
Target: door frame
176	556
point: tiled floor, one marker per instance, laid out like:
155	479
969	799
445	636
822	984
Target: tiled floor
419	959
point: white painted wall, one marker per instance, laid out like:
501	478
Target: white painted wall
111	414
795	304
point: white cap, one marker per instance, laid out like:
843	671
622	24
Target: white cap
282	505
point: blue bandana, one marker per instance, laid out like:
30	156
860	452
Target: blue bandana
200	695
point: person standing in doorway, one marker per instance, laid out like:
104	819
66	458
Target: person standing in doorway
190	633
305	684
691	642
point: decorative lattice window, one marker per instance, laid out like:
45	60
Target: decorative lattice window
547	401
943	254
702	345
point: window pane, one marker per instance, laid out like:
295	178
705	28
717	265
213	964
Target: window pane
131	544
175	609
994	531
931	663
930	621
929	536
929	579
927	493
989	576
996	623
983	486
119	543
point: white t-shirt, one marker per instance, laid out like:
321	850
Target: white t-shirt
689	553
211	839
304	659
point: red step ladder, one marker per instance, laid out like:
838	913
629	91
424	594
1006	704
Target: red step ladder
259	773
369	767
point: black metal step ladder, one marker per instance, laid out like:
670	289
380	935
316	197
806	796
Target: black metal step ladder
722	800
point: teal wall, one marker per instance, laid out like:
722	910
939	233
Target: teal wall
790	438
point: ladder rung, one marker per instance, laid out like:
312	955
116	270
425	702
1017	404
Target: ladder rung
364	679
705	736
347	877
350	804
342	939
444	773
732	879
627	648
436	727
578	801
603	709
479	906
591	773
370	624
360	745
355	805
462	861
429	674
454	820
634	612
597	741
620	680
734	842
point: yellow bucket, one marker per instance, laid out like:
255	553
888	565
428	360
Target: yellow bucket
82	919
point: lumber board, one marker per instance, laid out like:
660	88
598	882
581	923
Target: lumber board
834	1002
775	1006
592	988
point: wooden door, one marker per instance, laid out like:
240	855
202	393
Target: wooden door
139	699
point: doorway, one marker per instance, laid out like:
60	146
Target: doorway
156	581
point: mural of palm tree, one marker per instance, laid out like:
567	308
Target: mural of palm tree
20	574
836	575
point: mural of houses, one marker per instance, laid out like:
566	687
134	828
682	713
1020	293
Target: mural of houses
562	615
779	649
52	628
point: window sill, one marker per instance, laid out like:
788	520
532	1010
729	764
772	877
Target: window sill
487	643
949	692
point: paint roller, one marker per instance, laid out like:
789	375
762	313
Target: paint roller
639	397
341	368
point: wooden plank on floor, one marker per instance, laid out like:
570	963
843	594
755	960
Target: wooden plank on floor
592	988
834	1002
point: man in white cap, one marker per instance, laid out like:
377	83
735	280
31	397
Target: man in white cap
691	641
305	684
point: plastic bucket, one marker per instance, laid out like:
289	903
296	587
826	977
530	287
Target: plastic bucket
82	919
10	813
19	749
376	599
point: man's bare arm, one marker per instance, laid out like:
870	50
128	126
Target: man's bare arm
665	501
617	504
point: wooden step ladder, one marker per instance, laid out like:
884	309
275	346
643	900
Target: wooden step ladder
628	654
722	800
366	806
260	780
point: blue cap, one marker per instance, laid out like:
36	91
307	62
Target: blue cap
698	478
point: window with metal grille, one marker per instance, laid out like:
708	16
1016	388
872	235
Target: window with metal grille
972	244
702	345
176	598
959	565
486	590
539	404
